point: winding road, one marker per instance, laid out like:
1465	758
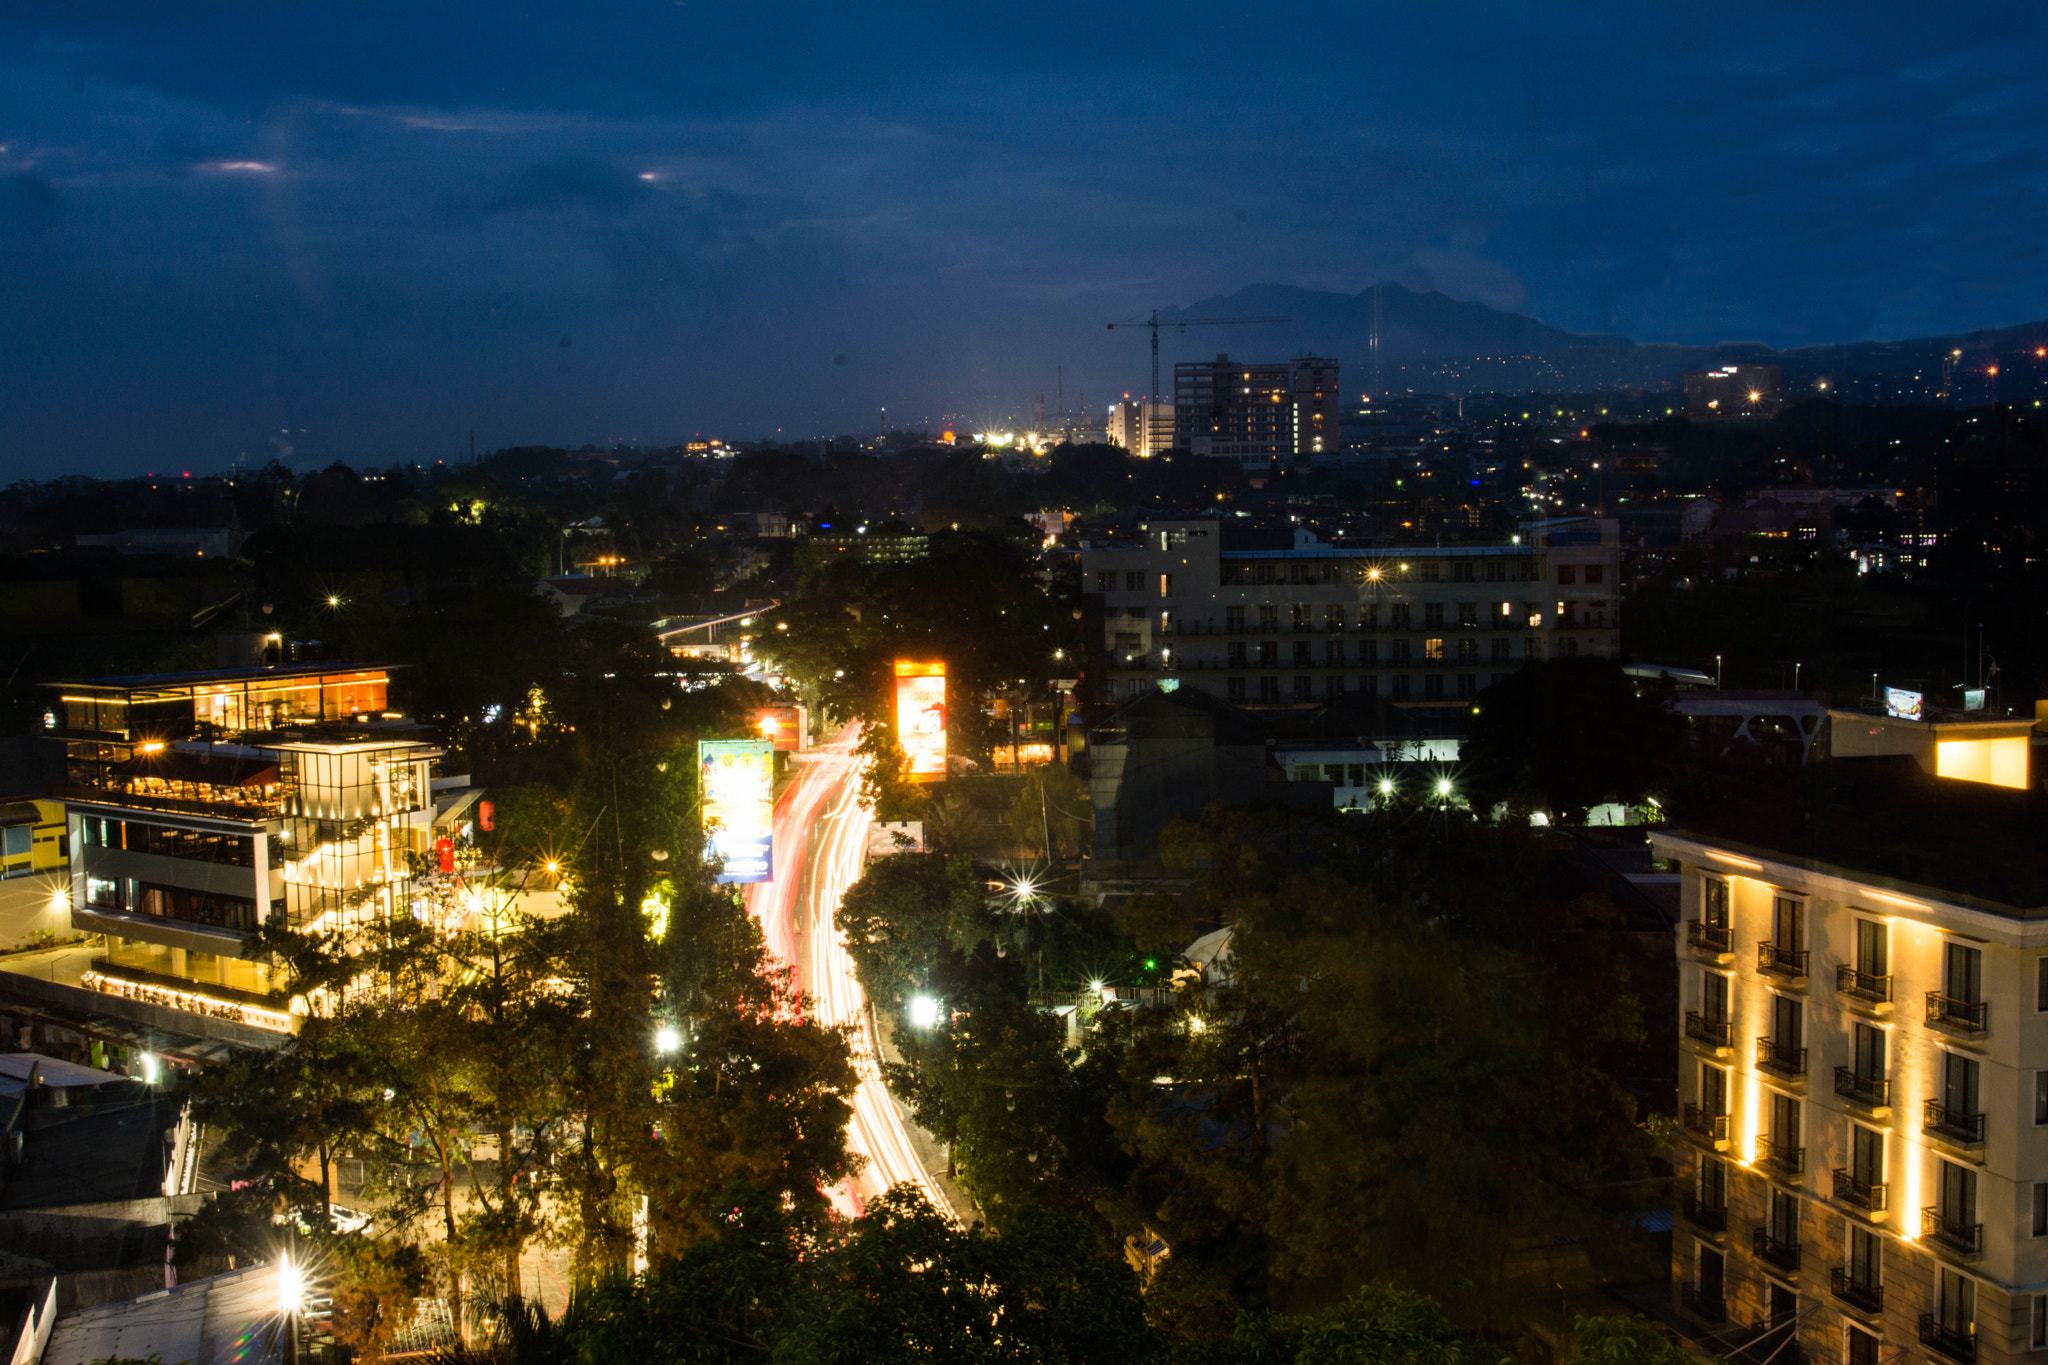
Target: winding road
821	831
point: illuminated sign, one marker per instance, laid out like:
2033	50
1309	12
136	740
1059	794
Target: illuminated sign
738	777
782	726
1900	703
921	719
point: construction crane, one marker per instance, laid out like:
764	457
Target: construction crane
1155	324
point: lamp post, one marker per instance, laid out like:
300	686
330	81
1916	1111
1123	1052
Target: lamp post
1717	673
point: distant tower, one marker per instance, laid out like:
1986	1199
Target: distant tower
1038	414
883	429
1374	345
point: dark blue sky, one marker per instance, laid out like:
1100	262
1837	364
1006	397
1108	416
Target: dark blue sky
365	230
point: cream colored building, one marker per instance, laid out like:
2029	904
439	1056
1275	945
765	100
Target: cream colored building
1862	1156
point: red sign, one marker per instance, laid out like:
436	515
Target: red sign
444	849
486	815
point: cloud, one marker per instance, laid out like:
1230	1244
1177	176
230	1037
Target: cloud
571	182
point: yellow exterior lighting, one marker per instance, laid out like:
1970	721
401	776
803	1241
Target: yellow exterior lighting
1995	762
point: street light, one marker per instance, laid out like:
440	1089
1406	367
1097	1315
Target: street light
924	1011
666	1039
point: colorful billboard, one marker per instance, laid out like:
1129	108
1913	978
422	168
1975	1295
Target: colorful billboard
738	784
921	719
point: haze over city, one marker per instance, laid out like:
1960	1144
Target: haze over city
365	232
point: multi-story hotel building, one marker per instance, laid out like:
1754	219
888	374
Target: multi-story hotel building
1205	605
1863	1142
200	806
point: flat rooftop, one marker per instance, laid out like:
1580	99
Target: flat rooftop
1885	820
202	676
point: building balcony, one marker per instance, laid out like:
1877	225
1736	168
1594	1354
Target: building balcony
1964	1240
1771	1251
1951	1342
1862	988
1708	1218
1718	1034
1788	1063
1775	960
1965	1017
1864	1298
1957	1127
1870	1093
1708	1307
1780	1159
1714	940
1712	1128
1860	1194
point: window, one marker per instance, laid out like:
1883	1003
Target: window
1333	686
1369	616
1333	619
2041	1208
1355	776
1710	1183
1861	1348
1788	924
1468	615
1713	996
1233	620
1957	1201
2040	1098
1432	616
1368	685
1401	687
1304	689
15	840
2040	985
1963	974
1105	582
1166	585
1333	653
1596	573
2038	1340
1956	1303
1713	902
1788	1019
1269	654
1269	620
1269	690
1234	653
1433	649
1461	571
1369	653
1496	571
1866	1155
101	893
1298	615
1784	1216
1959	1076
1468	683
1402	615
1866	1051
1499	654
1301	658
1233	689
1784	1134
1571	647
1468	651
1432	687
1567	573
1532	612
1713	1090
1401	653
1134	580
1873	950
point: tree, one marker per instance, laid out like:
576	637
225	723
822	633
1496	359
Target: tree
1612	1340
904	912
1563	736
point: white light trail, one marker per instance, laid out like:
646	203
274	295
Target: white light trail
828	795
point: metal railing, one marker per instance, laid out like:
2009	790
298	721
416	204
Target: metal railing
1779	1157
1862	985
1963	1016
1961	1239
1870	1196
1955	1343
1872	1092
1710	1307
1709	938
1702	1215
1714	1032
1954	1125
1784	1255
1865	1298
1697	1121
1779	1060
1780	961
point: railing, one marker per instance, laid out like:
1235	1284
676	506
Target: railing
1872	1092
1703	1215
1784	1255
1865	1298
1955	1125
1780	1060
1780	1157
253	809
1870	1196
1714	1032
1956	1344
1781	961
1711	1307
1963	1016
1709	938
1713	1127
1963	1239
1862	985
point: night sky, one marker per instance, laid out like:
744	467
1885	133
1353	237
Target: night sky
365	231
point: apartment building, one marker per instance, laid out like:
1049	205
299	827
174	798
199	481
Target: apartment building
1144	428
1282	619
200	806
1260	415
1863	1144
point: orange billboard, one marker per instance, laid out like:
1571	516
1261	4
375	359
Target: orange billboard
921	719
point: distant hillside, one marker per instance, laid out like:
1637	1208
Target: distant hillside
1430	342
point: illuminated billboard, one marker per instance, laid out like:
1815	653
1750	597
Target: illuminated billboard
921	719
1901	704
738	777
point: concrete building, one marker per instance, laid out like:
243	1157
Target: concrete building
1733	392
1143	428
1260	415
1261	619
199	806
1863	1145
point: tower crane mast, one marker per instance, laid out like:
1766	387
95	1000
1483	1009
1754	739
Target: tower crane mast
1155	324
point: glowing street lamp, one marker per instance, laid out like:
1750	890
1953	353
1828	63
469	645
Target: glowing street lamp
924	1011
667	1040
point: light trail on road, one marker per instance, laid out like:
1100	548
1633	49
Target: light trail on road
827	797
